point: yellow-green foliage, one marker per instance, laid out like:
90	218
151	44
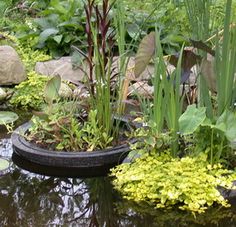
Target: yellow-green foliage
28	56
30	92
189	183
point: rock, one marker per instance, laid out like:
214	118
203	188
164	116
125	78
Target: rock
62	67
141	88
11	67
81	92
65	91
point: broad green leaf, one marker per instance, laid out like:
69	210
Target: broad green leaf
47	33
227	124
4	164
207	122
191	119
58	7
58	38
51	91
7	117
133	30
145	52
77	59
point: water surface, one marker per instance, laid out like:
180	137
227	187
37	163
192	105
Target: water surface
29	199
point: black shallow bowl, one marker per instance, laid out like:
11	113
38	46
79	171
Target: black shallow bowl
71	164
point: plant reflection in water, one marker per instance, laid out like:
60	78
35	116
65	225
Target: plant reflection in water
28	199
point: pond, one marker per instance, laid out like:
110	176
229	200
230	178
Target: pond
30	199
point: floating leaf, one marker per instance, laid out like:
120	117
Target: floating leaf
4	164
145	52
191	119
7	117
52	89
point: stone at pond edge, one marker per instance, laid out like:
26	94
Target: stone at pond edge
62	67
11	67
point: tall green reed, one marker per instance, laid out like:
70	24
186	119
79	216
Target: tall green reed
225	64
201	19
199	16
167	102
100	56
166	107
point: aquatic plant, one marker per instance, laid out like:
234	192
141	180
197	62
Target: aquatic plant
165	182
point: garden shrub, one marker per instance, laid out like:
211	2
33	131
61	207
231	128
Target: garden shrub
28	55
158	179
30	92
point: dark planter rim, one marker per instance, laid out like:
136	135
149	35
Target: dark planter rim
83	160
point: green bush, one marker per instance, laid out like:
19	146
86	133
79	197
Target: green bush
30	93
56	28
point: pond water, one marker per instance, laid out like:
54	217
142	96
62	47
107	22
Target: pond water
29	199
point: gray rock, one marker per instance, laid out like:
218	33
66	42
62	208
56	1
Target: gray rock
141	88
11	67
62	67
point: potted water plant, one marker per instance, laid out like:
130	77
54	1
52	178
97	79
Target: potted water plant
86	135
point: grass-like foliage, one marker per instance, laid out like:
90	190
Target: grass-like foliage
165	182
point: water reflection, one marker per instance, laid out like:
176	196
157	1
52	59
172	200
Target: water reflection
28	199
42	201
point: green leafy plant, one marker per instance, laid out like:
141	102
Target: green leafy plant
61	130
91	125
57	27
28	55
29	93
102	86
219	135
166	87
58	127
166	182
